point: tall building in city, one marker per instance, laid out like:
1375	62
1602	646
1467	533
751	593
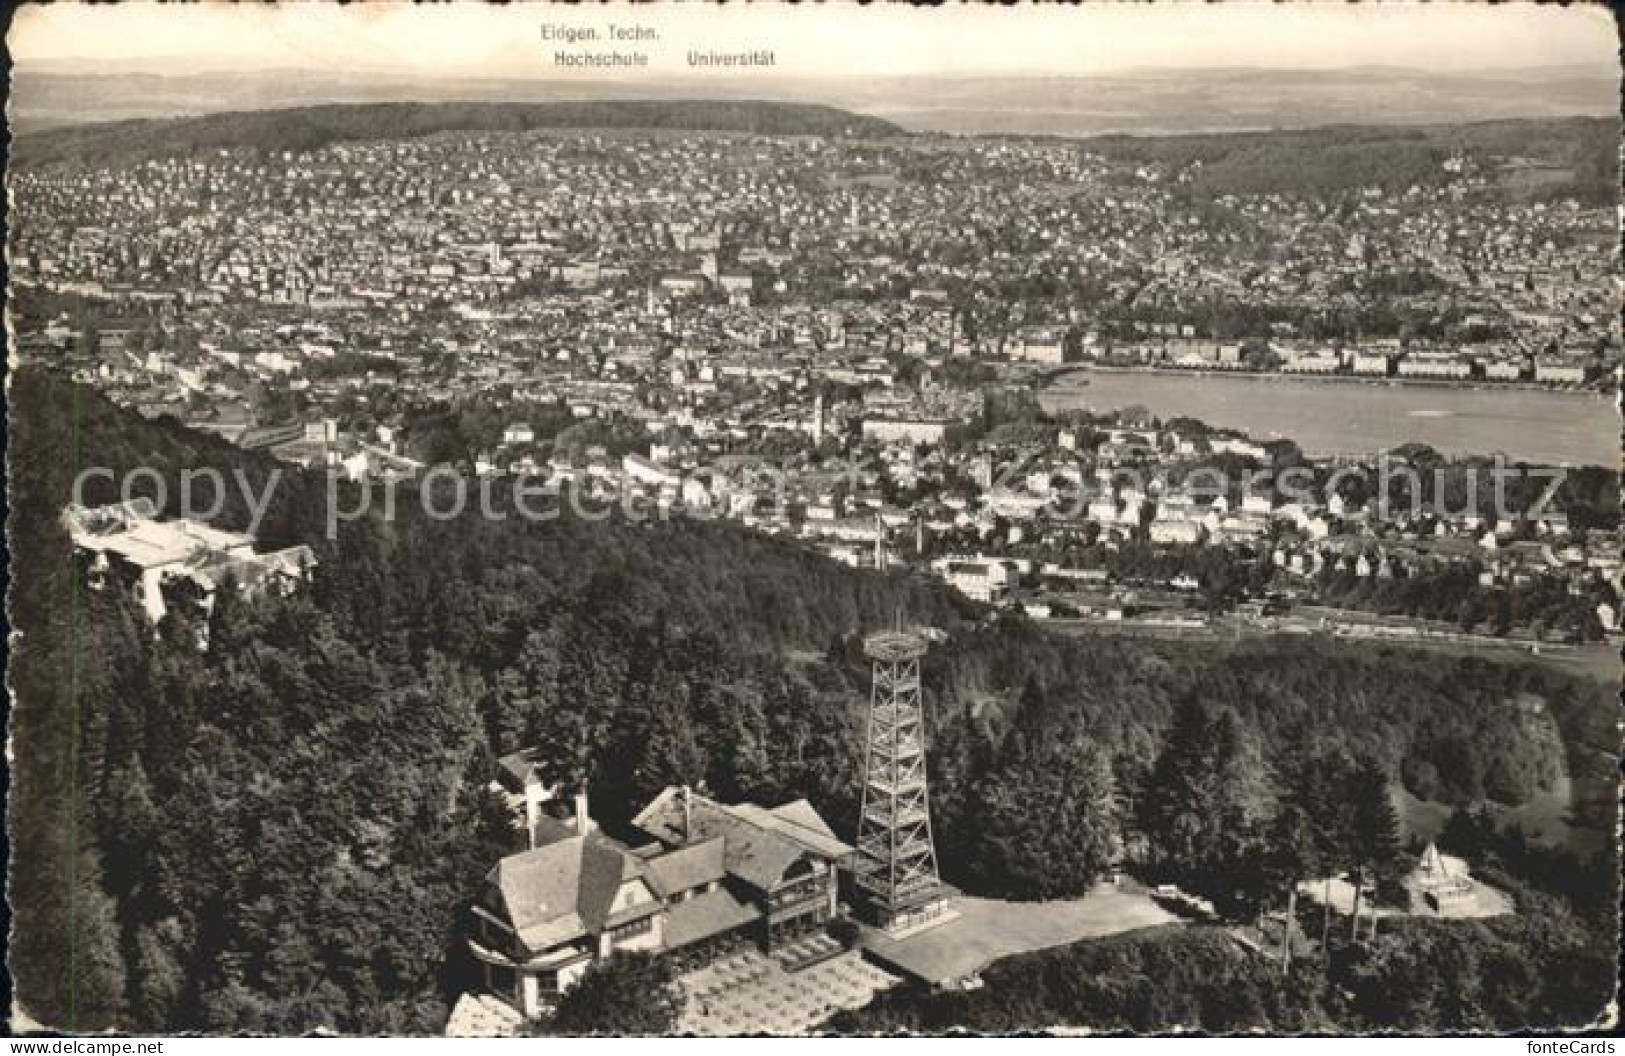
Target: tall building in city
895	870
982	471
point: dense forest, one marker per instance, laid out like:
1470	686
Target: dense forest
1552	962
1420	976
280	832
314	127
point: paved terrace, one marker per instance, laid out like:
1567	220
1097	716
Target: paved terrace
1485	901
751	993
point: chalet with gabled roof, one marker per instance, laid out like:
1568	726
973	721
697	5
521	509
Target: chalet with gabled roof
712	872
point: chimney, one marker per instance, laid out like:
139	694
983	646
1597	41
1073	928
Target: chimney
535	796
584	823
683	796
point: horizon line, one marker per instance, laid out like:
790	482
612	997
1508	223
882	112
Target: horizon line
1596	67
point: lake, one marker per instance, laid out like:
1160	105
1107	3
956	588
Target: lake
1332	417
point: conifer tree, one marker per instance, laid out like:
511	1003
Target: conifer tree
629	994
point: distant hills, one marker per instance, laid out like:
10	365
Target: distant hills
1254	130
1150	102
310	128
1548	159
1146	101
1542	160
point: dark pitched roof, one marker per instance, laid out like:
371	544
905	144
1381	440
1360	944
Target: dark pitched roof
515	768
686	867
706	915
758	844
547	829
801	823
561	891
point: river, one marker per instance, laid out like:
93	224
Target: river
1348	417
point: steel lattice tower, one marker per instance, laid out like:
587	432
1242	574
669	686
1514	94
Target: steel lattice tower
896	865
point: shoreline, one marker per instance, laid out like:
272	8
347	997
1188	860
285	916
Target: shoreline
1057	382
1539	426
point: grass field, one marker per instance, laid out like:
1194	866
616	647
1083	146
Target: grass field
1548	817
1597	660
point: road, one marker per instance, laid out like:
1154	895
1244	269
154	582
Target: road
1599	660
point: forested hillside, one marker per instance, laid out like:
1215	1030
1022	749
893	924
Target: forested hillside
1508	974
310	128
1583	150
279	833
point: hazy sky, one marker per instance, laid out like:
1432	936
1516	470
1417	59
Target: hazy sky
836	38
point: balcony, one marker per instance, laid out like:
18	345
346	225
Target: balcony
489	955
793	901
